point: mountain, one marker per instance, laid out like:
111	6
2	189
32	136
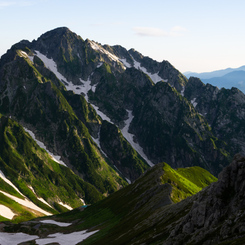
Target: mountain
232	79
227	78
148	212
110	114
212	74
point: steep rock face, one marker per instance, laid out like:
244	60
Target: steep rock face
169	129
164	69
218	212
32	94
120	152
224	110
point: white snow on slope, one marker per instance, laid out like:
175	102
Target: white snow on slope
9	182
6	212
26	203
15	238
130	138
154	77
24	54
61	224
183	91
64	239
126	64
41	144
78	89
194	103
60	238
97	141
51	65
66	206
111	56
39	198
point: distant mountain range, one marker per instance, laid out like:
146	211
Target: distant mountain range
227	78
85	123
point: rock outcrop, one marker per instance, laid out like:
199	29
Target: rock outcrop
217	213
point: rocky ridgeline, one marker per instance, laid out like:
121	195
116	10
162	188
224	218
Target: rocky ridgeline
217	213
224	110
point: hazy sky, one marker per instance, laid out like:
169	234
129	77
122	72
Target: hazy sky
192	35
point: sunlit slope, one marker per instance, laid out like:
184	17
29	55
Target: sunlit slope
29	172
156	190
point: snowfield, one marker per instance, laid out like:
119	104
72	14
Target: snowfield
60	238
6	212
15	238
26	203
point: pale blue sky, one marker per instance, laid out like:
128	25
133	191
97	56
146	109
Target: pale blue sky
196	36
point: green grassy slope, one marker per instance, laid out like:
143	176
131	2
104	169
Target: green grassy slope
133	206
28	166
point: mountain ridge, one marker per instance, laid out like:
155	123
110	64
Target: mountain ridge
111	114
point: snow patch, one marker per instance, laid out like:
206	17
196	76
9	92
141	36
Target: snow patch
64	239
128	180
100	64
126	64
51	65
24	54
65	205
41	144
9	182
101	114
130	138
111	56
77	89
6	212
60	238
15	238
154	77
83	201
194	103
61	224
42	200
183	91
26	203
39	198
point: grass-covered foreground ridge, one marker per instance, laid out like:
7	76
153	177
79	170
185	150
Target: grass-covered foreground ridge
36	175
144	213
117	216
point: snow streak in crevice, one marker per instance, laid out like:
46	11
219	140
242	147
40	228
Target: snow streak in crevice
154	77
41	144
130	138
